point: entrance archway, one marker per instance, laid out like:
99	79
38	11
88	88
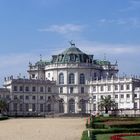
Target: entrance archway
71	106
61	106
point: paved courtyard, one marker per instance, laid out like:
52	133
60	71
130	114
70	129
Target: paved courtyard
42	129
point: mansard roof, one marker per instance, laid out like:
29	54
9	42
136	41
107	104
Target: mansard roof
72	55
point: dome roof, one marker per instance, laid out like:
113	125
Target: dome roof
72	55
41	63
73	50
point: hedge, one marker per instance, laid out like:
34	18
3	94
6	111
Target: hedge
115	130
135	125
3	118
104	119
99	126
85	135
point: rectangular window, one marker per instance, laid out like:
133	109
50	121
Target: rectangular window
15	96
41	89
21	97
33	88
116	96
122	87
41	97
49	89
82	90
94	88
61	89
116	87
33	97
127	95
102	88
135	95
122	96
94	97
48	74
20	88
127	87
109	88
27	97
15	88
71	89
33	75
49	97
26	88
135	105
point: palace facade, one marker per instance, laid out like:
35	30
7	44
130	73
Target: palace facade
71	82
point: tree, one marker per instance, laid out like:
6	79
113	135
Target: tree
107	103
3	106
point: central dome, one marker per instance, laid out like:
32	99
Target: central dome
72	55
73	50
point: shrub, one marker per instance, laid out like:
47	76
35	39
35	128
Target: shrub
89	122
87	125
85	135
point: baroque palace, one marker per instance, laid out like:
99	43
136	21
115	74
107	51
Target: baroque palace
71	82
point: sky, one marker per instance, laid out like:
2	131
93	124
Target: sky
108	29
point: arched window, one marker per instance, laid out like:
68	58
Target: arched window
61	78
71	78
71	106
82	78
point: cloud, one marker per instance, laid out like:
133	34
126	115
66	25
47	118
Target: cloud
63	29
15	59
131	22
101	48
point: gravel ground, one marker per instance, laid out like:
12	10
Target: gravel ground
42	129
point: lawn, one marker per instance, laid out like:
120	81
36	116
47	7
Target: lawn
104	127
132	138
107	137
103	136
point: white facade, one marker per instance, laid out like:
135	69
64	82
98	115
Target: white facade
77	82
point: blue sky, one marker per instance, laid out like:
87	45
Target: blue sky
29	28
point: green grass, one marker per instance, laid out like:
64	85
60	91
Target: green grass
107	137
103	136
122	125
132	137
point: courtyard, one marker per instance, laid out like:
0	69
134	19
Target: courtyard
42	129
